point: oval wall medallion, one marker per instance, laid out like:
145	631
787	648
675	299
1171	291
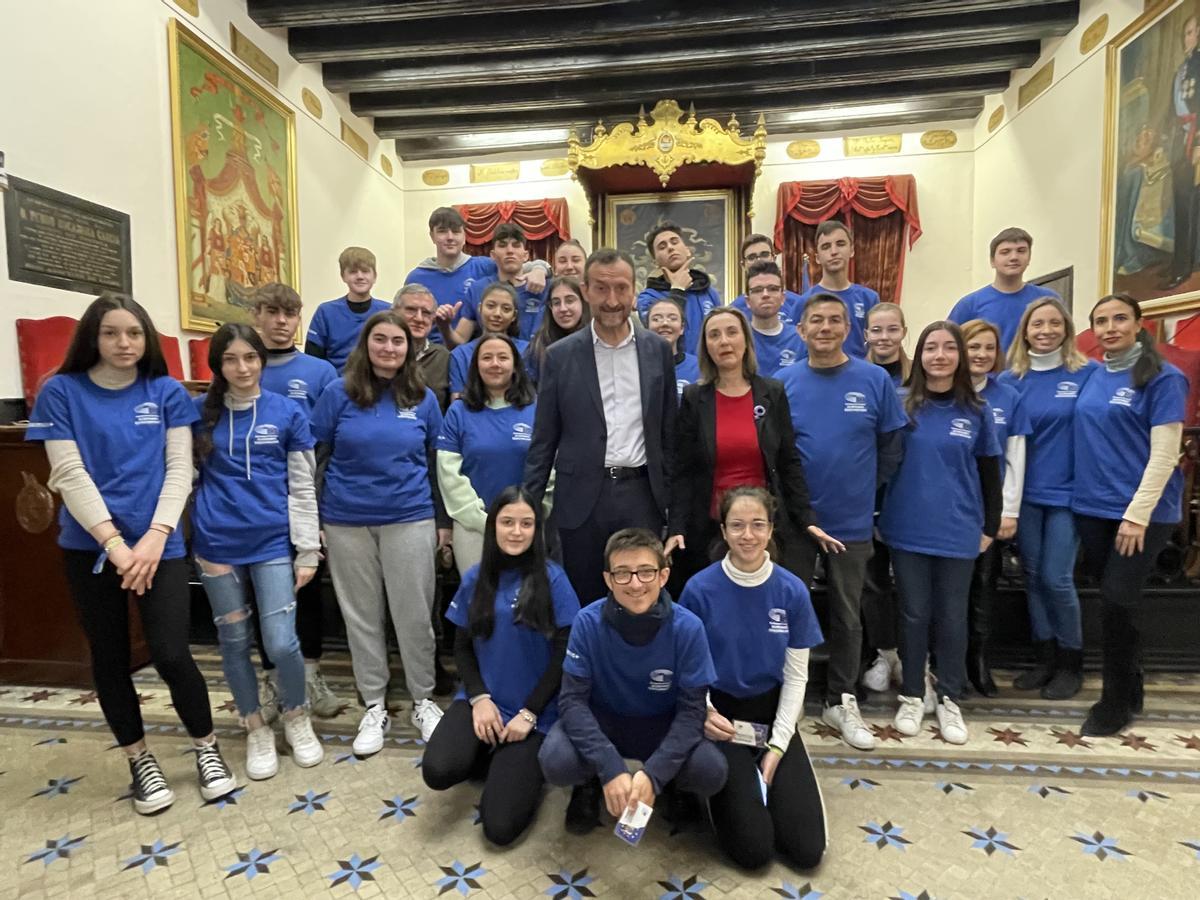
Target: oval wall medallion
939	139
996	118
312	102
386	165
1094	34
803	149
435	177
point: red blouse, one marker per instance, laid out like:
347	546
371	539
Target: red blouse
739	459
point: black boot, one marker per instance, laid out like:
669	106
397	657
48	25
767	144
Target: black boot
1042	671
1068	676
1121	692
583	812
979	669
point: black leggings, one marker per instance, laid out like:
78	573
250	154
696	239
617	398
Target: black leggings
309	621
1122	578
103	608
512	792
793	819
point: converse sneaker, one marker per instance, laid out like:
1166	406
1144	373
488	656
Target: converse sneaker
306	749
909	715
425	715
215	778
371	730
950	720
262	760
321	699
268	698
848	720
878	675
151	793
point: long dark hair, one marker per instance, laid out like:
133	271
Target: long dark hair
1150	363
214	400
550	331
501	287
963	390
362	387
534	609
520	392
84	351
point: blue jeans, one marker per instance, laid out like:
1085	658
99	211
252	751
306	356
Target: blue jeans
274	591
1047	540
933	592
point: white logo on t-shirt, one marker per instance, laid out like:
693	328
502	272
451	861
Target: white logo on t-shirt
960	428
406	412
706	306
297	389
522	432
777	621
660	679
266	434
1123	396
787	358
855	402
146	414
998	416
680	384
1066	389
859	312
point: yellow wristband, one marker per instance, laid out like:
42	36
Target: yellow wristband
115	541
775	749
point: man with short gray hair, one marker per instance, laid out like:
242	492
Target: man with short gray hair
416	303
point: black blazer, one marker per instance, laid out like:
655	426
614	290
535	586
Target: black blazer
696	457
569	434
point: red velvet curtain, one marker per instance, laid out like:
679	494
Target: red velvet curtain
545	224
881	213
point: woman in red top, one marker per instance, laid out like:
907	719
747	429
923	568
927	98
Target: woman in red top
734	428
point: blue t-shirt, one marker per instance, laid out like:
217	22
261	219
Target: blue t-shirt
639	682
530	306
451	286
122	439
838	415
460	362
301	377
789	312
1048	401
379	471
696	305
1112	441
513	660
687	371
750	629
335	327
240	507
776	352
1008	413
493	444
934	502
858	299
1001	309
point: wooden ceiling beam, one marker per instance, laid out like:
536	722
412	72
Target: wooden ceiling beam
301	13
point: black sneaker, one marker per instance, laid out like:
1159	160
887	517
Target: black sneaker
151	793
583	812
216	780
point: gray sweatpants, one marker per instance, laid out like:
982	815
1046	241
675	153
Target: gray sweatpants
363	560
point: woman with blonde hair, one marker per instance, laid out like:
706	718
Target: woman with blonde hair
1048	372
886	330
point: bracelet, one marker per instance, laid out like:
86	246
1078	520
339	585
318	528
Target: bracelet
774	748
160	528
528	716
115	541
479	697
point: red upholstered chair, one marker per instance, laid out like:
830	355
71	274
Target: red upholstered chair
198	359
170	349
41	346
1188	361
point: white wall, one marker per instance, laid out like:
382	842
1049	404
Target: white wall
85	109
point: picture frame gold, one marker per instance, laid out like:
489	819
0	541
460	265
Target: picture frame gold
628	217
1145	146
233	147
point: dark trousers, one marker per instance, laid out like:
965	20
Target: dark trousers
309	621
933	594
793	819
512	791
879	609
702	773
103	608
845	573
625	503
982	594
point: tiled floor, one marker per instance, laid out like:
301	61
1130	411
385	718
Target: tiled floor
1026	809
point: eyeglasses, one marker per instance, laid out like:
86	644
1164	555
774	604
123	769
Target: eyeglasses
757	526
417	311
755	257
645	575
772	289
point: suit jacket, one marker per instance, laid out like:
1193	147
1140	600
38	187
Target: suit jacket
569	434
695	456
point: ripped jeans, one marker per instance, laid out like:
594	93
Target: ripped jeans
274	591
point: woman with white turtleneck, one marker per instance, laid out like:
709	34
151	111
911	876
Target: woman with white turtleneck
1047	370
1128	492
255	501
760	625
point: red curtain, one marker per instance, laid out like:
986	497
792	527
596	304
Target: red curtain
545	224
881	212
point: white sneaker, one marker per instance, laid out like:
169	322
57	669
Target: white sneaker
268	699
878	675
262	760
950	720
909	715
306	749
848	719
930	700
321	699
425	715
371	731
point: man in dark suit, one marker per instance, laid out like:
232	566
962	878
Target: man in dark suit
1185	154
605	421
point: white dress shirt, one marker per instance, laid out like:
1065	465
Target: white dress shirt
621	396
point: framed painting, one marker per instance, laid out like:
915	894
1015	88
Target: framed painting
234	148
1150	200
709	220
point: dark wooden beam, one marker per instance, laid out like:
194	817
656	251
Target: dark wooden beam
666	23
297	13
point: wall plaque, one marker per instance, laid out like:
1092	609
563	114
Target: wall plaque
1094	34
61	241
1040	80
939	139
872	144
312	102
191	7
510	171
253	56
554	168
996	118
435	177
355	141
386	165
803	149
